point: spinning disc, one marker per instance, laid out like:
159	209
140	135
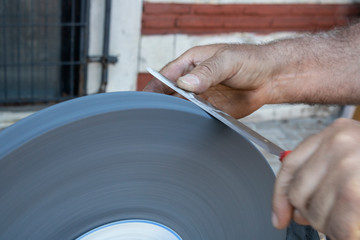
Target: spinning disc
133	157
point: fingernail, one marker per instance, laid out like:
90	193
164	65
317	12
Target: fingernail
189	80
274	220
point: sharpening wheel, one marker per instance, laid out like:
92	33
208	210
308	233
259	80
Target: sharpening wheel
144	165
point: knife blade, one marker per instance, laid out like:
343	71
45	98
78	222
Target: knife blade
223	117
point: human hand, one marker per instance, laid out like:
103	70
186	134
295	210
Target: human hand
319	183
240	78
237	79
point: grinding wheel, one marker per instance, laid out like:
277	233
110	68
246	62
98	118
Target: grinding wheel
131	156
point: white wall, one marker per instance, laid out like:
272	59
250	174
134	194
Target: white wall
125	36
96	32
158	50
124	43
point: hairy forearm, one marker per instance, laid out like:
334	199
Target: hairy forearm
320	68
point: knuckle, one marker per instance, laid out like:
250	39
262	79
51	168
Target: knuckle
341	122
191	53
208	68
347	163
350	192
288	166
194	49
226	50
341	138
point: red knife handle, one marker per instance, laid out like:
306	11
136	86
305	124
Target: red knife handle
283	155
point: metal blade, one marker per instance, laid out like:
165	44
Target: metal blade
222	116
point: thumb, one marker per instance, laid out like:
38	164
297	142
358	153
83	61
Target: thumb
203	76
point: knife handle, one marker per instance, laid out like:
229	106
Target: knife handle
283	155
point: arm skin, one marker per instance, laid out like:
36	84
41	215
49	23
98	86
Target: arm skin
319	182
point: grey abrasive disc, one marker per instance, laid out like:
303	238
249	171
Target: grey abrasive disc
121	156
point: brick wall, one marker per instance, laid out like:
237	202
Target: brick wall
166	18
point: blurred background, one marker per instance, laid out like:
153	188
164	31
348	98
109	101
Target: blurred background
55	50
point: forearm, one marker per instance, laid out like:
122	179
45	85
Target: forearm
321	68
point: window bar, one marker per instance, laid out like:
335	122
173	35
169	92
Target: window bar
72	47
18	52
82	56
5	53
46	95
104	74
61	83
32	65
86	44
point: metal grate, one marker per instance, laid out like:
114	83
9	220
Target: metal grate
43	50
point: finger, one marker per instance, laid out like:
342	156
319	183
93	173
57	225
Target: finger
214	70
308	177
344	221
312	189
282	207
320	203
180	66
299	218
171	71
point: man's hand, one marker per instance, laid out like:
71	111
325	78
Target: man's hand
319	183
235	78
240	78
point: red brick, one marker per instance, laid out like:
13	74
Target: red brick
325	21
295	21
353	9
142	80
218	9
199	21
165	8
267	10
313	9
244	22
160	31
341	21
203	31
158	21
